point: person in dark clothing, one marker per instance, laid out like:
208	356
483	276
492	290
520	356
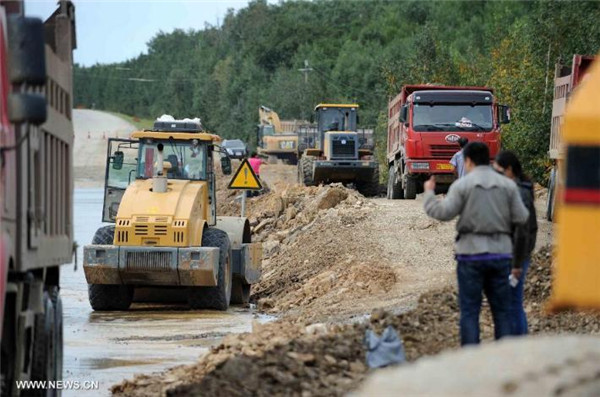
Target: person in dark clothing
489	206
524	236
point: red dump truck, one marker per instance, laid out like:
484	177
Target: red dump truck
566	79
36	233
425	123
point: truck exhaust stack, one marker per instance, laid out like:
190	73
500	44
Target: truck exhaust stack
159	182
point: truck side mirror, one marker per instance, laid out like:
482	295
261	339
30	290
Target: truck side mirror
404	114
26	108
27	55
504	115
226	165
117	160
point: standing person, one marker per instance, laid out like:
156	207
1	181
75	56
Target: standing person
524	236
488	205
458	160
255	163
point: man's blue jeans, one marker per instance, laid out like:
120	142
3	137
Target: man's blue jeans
518	316
489	277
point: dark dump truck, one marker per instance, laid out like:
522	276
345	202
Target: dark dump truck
36	233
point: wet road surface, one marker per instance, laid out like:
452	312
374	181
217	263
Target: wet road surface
110	346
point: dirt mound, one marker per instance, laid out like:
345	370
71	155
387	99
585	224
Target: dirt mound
324	364
294	359
308	270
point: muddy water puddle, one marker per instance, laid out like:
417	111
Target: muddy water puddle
110	346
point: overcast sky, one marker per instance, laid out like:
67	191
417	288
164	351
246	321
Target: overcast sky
113	31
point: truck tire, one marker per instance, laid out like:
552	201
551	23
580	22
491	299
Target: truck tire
240	292
58	334
104	297
44	359
551	194
410	188
218	297
370	188
306	169
394	189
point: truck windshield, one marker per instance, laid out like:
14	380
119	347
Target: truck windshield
452	117
187	158
335	119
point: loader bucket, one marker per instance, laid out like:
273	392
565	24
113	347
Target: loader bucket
576	281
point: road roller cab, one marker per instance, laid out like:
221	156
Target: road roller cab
160	196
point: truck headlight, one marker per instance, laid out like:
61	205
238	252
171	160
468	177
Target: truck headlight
420	166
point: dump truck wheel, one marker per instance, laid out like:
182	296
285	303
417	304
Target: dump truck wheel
215	297
394	189
410	188
371	187
306	167
105	297
44	358
240	292
58	334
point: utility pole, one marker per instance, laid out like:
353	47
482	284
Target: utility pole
306	70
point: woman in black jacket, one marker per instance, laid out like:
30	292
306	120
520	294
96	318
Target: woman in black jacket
524	236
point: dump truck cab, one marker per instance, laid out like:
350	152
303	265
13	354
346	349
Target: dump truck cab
424	126
160	195
337	151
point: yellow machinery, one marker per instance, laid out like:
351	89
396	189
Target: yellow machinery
160	193
276	139
577	261
336	151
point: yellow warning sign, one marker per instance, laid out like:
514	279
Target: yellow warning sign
245	178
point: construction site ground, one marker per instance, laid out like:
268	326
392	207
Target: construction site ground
335	264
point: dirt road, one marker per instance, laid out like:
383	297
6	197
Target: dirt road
361	254
92	129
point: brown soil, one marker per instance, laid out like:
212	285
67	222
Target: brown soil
291	358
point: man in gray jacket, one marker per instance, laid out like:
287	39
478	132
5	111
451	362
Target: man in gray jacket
488	205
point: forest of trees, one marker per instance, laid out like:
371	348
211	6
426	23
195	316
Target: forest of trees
361	51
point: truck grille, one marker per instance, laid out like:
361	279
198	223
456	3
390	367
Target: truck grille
343	150
155	261
444	151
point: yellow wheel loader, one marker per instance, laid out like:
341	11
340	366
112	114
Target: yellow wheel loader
160	194
337	151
